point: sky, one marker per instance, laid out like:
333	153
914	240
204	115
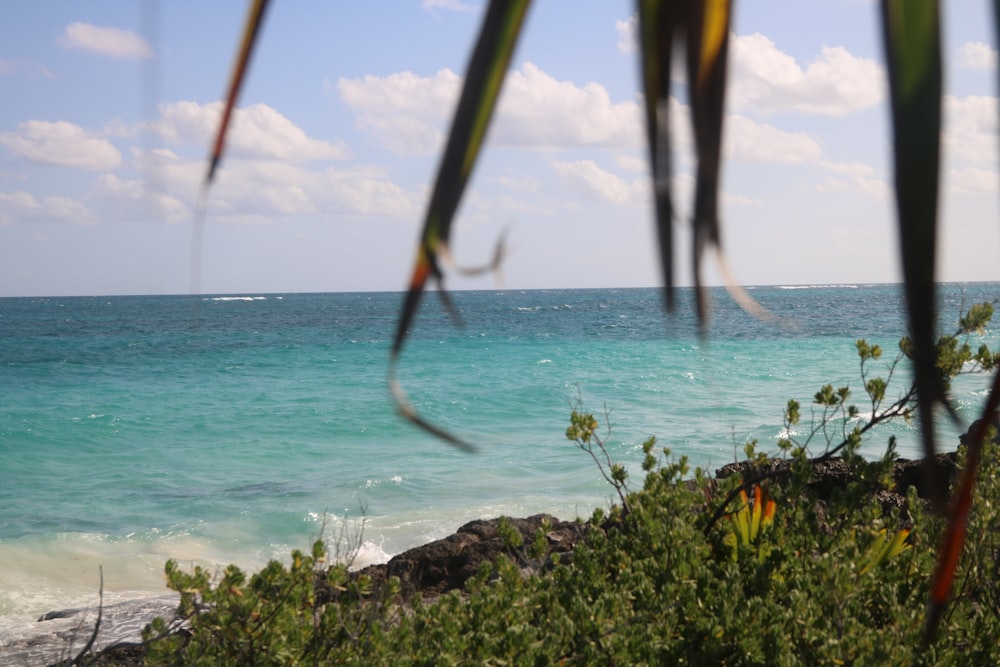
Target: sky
108	109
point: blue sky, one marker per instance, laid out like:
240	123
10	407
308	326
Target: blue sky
108	110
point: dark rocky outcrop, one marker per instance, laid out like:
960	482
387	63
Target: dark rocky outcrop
63	633
828	475
446	564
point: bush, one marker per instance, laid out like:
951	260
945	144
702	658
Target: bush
792	576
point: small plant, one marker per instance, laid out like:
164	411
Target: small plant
582	430
884	548
749	521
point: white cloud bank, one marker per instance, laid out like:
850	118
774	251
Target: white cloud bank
258	131
113	42
407	113
22	206
976	55
60	143
768	80
451	5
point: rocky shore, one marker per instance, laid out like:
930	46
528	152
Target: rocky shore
428	570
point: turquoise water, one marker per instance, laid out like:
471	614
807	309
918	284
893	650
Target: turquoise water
220	429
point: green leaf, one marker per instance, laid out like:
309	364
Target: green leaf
913	52
484	77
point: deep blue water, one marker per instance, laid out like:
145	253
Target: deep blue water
218	429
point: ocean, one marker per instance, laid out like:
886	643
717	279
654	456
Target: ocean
235	428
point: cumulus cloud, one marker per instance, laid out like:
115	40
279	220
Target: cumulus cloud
855	177
114	42
258	131
24	207
538	111
767	80
407	113
971	128
60	143
256	190
976	55
135	200
589	179
278	189
628	41
452	5
972	180
519	183
750	141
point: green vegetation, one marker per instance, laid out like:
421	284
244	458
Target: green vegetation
759	569
700	30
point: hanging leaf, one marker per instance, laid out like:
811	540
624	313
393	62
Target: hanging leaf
485	75
658	22
707	50
251	29
703	27
913	53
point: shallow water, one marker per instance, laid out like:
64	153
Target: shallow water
232	429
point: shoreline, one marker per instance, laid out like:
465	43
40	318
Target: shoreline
428	570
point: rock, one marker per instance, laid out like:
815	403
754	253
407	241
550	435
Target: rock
61	635
446	564
829	475
966	437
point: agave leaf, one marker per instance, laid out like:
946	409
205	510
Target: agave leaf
485	75
743	519
758	510
251	29
958	519
769	509
898	544
913	53
875	552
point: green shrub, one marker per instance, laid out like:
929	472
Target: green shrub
663	577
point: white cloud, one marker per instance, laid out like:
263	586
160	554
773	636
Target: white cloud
258	131
586	177
404	112
407	113
453	5
60	143
971	128
740	201
632	163
766	80
628	40
24	207
276	189
113	42
537	111
747	140
972	180
136	200
519	183
854	177
976	55
255	190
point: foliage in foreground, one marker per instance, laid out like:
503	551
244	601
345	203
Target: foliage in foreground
648	587
779	577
